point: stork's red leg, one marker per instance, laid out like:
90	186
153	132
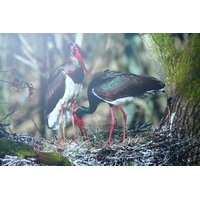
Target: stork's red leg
62	121
124	118
112	124
72	117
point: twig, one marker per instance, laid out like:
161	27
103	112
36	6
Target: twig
6	82
26	61
25	43
7	115
36	126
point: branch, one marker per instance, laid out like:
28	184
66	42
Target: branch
191	68
22	150
7	115
36	126
164	55
180	70
6	82
160	48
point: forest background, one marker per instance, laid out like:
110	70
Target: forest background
26	61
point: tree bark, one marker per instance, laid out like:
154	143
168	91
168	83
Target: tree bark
180	71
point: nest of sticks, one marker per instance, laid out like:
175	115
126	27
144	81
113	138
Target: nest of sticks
143	147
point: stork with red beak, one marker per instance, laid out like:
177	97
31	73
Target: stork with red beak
62	90
115	88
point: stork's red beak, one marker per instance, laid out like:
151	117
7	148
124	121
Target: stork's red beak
79	57
80	125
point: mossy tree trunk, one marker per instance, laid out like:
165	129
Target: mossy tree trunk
180	71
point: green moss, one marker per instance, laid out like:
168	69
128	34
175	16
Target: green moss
165	40
166	55
14	148
181	68
188	78
50	158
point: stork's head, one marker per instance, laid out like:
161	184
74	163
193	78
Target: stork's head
75	51
77	114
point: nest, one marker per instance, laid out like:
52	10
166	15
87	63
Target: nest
147	149
143	147
16	161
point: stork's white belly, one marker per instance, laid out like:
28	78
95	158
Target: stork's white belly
116	101
72	91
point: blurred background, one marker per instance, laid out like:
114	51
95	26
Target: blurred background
26	61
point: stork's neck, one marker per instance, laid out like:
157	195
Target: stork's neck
73	59
82	110
90	109
93	103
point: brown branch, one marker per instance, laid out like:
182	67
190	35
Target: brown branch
7	115
36	126
6	82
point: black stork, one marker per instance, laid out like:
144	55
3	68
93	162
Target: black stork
63	88
115	88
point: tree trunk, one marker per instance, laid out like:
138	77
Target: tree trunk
180	71
181	117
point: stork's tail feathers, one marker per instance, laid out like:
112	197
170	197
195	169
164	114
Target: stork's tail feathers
54	120
154	91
